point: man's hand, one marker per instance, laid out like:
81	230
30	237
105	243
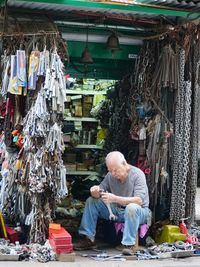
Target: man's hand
108	197
95	191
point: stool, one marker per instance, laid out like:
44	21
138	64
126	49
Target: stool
120	227
113	232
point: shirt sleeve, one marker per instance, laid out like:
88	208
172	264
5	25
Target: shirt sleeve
140	186
105	183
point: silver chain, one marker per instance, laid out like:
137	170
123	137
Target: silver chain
181	145
177	141
185	160
185	146
192	178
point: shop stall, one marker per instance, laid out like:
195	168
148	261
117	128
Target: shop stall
78	80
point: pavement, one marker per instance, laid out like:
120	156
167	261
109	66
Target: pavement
83	262
197	205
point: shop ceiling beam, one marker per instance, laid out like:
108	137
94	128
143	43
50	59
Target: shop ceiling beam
117	17
97	26
92	38
102	5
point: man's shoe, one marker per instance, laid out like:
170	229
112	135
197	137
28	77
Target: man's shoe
120	247
85	244
129	250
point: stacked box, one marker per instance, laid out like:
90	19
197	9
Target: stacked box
70	167
88	99
78	111
70	158
81	167
60	241
87	105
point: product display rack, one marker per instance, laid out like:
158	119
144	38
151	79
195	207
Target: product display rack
84	146
80	119
85	92
82	173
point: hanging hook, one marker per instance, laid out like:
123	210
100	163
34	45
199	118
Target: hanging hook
21	41
34	42
45	41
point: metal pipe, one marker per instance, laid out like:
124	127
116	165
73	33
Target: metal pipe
94	38
42	33
100	26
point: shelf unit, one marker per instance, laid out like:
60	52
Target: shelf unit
88	146
85	92
81	173
80	119
83	119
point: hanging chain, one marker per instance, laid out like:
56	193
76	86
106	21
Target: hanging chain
177	141
181	146
185	146
176	183
192	179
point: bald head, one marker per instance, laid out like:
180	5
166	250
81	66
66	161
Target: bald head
115	157
117	165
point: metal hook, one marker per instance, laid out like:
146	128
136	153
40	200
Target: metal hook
45	40
34	42
21	41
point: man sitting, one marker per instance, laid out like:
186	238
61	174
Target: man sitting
125	189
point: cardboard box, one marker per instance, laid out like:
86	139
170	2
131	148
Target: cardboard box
81	167
77	102
88	99
78	111
70	157
89	164
70	167
86	110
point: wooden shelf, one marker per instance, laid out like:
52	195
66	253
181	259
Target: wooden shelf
80	119
85	92
81	173
89	146
86	146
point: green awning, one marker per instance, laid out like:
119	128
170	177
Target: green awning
141	7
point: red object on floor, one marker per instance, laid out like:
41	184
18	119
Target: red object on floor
60	241
12	234
54	227
60	237
60	248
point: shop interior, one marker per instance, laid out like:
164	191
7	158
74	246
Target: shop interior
80	81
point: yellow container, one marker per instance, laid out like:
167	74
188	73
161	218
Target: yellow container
170	234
